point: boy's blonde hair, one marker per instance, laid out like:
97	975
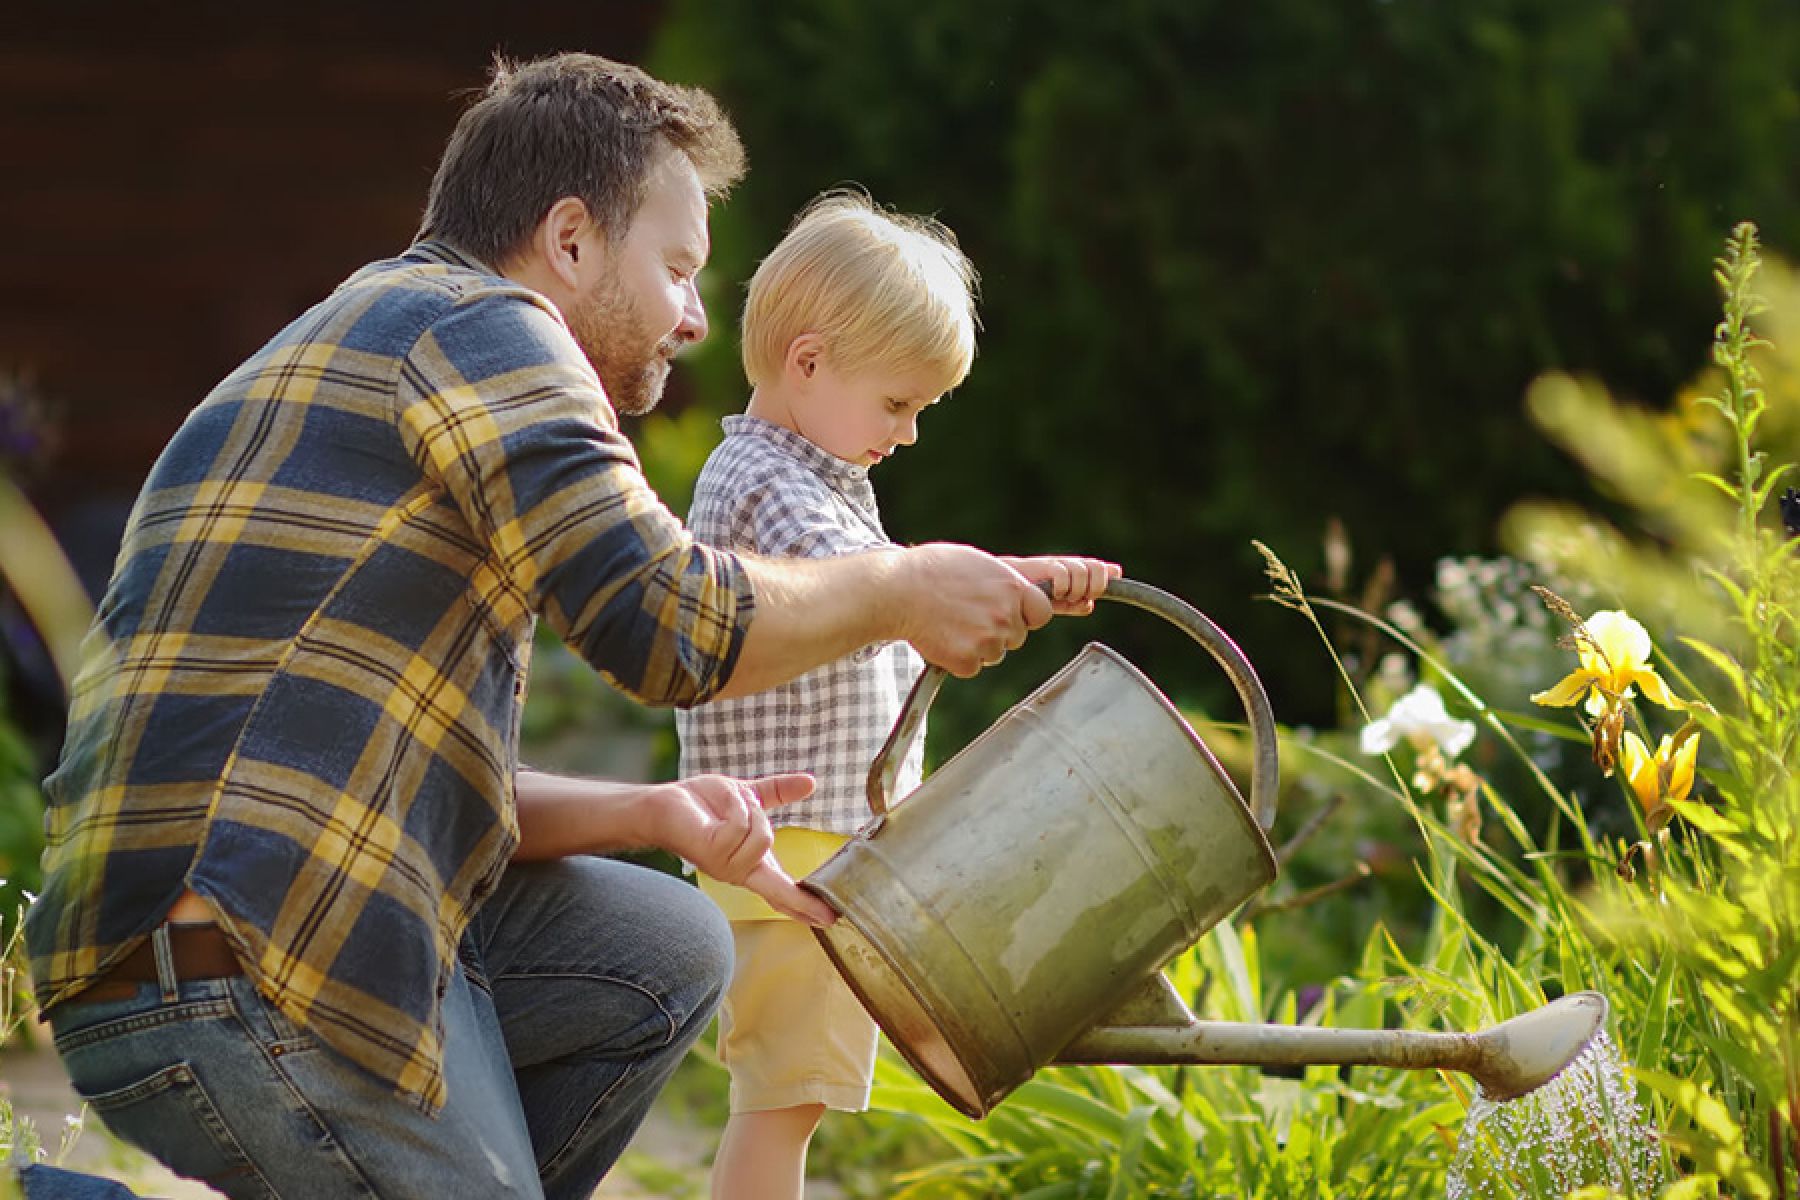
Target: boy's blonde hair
885	290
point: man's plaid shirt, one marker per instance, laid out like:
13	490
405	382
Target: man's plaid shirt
769	491
301	695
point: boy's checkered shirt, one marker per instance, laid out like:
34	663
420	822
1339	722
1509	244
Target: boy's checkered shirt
769	491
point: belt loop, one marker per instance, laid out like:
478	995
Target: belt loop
165	964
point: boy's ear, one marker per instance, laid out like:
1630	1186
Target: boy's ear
804	354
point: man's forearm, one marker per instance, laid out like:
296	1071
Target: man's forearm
559	816
812	611
961	608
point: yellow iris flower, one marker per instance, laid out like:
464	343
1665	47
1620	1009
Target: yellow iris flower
1662	779
1614	652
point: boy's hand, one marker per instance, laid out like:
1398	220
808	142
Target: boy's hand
1075	583
719	824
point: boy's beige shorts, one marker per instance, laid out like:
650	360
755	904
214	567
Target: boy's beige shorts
790	1031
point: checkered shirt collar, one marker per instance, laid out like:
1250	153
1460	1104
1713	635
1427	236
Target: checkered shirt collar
846	477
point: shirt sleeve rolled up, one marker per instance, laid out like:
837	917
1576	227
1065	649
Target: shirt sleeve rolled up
500	409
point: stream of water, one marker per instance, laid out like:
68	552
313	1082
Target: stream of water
1584	1127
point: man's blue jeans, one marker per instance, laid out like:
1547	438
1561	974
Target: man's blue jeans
583	983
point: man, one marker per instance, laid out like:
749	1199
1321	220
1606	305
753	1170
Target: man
307	929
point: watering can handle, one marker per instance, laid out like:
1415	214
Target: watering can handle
1264	767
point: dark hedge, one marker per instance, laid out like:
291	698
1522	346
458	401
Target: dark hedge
1251	266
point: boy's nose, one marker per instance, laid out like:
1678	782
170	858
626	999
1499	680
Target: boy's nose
909	432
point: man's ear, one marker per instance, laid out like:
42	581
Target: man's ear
562	238
804	354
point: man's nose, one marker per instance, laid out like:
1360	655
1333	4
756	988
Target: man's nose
693	315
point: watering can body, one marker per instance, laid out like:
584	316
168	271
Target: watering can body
1016	909
1037	881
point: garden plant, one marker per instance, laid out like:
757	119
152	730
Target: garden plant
1631	825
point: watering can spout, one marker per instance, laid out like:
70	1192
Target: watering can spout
1507	1060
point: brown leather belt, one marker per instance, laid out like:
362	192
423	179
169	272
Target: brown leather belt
197	951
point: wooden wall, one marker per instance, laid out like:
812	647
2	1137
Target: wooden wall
177	181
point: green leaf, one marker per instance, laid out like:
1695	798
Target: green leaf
1074	1109
1130	1149
1558	729
1769	484
1729	489
1227	950
1721	662
1703	818
1656	1014
1055	1191
1717	1142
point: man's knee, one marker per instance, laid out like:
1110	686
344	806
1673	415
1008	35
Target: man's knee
590	956
682	942
706	935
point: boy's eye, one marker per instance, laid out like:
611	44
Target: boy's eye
896	406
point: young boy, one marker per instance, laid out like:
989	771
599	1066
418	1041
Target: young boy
855	323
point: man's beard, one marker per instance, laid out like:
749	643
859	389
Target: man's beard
632	363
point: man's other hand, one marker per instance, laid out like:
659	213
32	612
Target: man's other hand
721	825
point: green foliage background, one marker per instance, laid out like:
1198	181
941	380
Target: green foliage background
1247	267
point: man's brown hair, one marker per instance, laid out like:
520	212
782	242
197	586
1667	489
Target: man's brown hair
570	125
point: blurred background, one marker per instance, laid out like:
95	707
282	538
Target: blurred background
1278	271
1281	271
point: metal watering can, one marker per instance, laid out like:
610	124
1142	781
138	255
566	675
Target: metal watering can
1016	909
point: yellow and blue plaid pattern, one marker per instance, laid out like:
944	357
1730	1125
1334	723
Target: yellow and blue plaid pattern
301	694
